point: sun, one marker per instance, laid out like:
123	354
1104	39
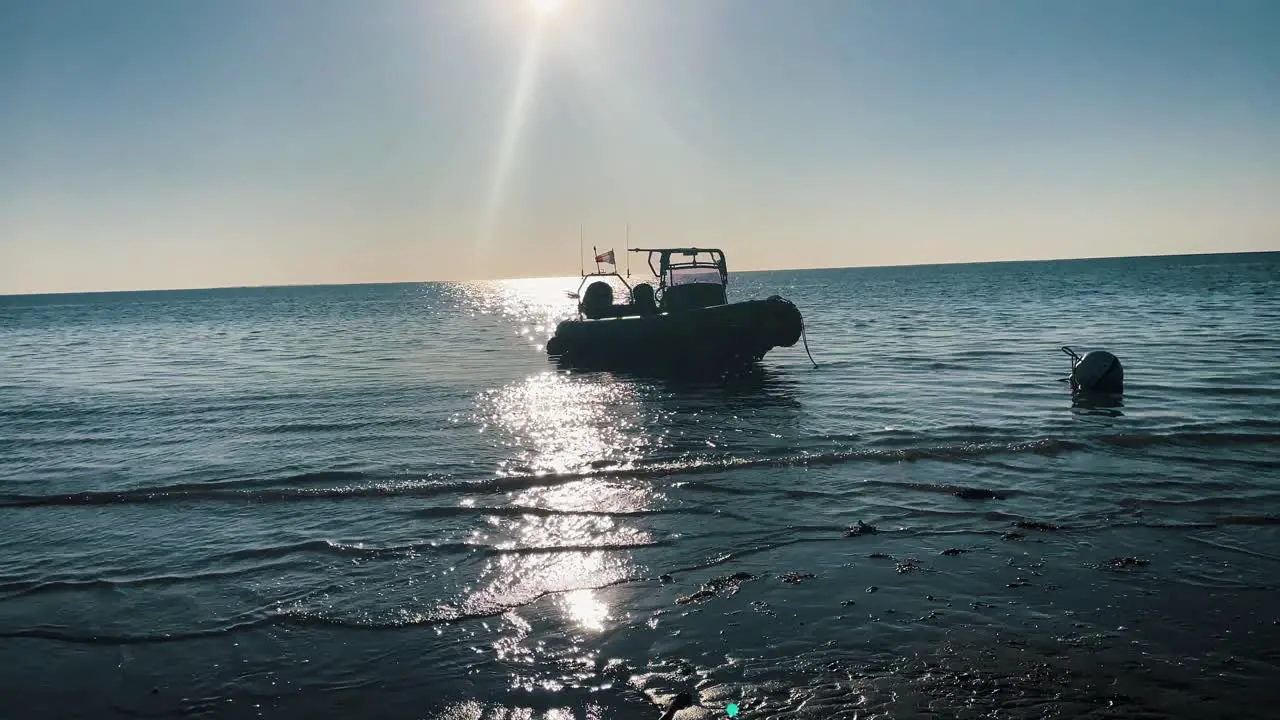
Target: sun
546	8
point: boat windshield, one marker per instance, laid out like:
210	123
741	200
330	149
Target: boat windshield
688	276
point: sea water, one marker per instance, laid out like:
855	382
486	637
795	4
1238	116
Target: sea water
384	501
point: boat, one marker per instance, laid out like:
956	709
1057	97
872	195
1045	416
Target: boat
686	323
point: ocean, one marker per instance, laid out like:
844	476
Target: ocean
383	501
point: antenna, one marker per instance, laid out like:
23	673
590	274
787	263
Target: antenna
628	249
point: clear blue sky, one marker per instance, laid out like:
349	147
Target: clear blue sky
195	143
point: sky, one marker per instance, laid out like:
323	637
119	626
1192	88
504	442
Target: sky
208	143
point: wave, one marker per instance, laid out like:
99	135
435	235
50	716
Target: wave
358	485
661	468
374	551
91	638
1232	391
293	618
965	492
1199	439
328	427
1249	520
17	589
449	613
232	490
527	510
963	451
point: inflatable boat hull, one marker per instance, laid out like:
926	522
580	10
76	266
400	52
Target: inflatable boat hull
719	336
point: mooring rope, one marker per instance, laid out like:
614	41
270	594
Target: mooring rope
805	338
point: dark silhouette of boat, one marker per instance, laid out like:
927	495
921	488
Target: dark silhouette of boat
686	323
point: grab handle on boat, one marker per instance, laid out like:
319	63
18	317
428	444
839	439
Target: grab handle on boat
1074	359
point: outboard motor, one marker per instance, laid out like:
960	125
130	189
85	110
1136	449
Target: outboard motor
1096	372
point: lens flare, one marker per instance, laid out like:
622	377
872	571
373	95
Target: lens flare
546	7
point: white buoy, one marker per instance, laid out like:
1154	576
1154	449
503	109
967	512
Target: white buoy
1097	372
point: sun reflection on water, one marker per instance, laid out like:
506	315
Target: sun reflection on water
548	533
566	435
516	579
534	305
564	424
595	495
586	609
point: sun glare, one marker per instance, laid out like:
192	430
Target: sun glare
543	8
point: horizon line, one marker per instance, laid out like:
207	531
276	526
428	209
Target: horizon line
732	272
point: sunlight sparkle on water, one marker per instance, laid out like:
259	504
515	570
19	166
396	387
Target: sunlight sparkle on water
562	424
586	609
539	303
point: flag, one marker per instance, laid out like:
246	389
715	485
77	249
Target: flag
606	258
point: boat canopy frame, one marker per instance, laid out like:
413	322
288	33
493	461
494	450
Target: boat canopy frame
666	263
598	274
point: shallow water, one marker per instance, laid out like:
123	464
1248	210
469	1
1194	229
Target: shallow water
383	501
